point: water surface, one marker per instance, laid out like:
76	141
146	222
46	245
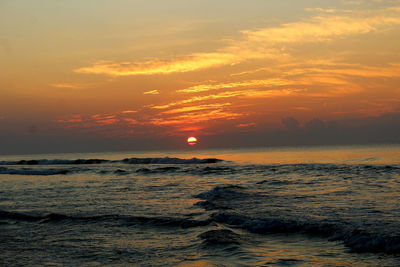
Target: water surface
331	206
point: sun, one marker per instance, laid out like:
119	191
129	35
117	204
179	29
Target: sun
192	140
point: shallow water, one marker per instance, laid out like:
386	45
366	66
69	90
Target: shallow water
335	206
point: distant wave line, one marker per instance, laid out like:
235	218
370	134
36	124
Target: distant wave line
165	160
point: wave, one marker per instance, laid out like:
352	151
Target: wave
158	170
45	172
168	160
117	171
219	170
165	160
220	237
224	200
223	192
54	162
357	240
123	219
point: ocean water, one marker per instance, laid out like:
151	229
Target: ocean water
321	206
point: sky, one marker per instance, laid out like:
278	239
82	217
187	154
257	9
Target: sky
99	75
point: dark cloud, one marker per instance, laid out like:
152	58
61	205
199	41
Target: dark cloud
315	125
291	123
383	129
371	130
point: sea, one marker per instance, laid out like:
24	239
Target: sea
287	206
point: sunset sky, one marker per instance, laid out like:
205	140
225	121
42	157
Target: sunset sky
100	75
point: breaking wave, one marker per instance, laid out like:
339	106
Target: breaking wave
358	240
224	200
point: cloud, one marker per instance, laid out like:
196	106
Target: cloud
252	83
190	129
196	108
120	124
130	121
315	125
282	65
327	28
193	118
244	125
71	120
82	121
384	128
291	123
69	86
331	10
331	78
309	73
232	94
260	44
153	92
189	63
389	71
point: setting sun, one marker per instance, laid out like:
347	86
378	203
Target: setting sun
192	140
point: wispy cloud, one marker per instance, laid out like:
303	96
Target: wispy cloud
70	120
196	108
131	121
302	108
74	86
252	83
261	43
275	64
323	10
363	71
245	125
190	129
328	27
193	118
152	92
128	111
89	121
231	94
186	64
330	75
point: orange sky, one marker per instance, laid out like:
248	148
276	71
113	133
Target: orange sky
127	69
